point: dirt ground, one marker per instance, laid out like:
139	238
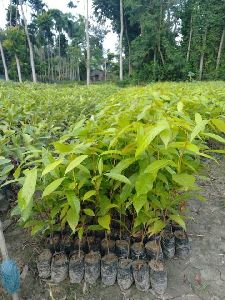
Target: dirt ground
200	277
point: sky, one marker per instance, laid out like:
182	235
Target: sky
111	38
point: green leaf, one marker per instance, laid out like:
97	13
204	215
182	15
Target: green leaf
4	161
122	165
220	124
73	201
89	194
198	128
38	227
72	218
118	177
100	166
94	228
198	118
76	162
105	205
105	221
179	220
52	166
110	152
7	169
80	233
180	106
215	137
185	180
156	165
185	146
63	148
144	183
151	135
138	202
25	195
28	188
89	212
17	172
157	227
165	136
52	187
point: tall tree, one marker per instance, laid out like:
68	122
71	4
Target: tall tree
88	63
29	43
121	39
220	49
3	57
15	43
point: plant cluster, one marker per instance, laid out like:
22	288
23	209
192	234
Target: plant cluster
32	116
131	165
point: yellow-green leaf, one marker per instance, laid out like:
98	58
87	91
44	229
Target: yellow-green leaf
185	180
105	221
151	135
122	165
220	124
89	194
89	212
76	162
157	227
52	187
144	183
63	148
180	106
52	166
100	166
179	220
73	201
139	201
118	177
72	218
28	189
156	165
198	118
198	128
215	137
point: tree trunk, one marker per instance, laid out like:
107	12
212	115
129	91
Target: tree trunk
78	72
220	50
161	55
88	45
159	35
105	67
52	66
121	39
29	43
4	62
129	52
49	63
202	55
18	68
190	40
155	61
10	14
59	62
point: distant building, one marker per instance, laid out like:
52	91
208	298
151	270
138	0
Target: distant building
97	75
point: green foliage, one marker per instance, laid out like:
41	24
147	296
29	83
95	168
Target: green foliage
137	154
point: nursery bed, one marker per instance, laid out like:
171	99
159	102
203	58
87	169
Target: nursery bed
202	276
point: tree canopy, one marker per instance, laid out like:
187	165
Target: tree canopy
162	40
